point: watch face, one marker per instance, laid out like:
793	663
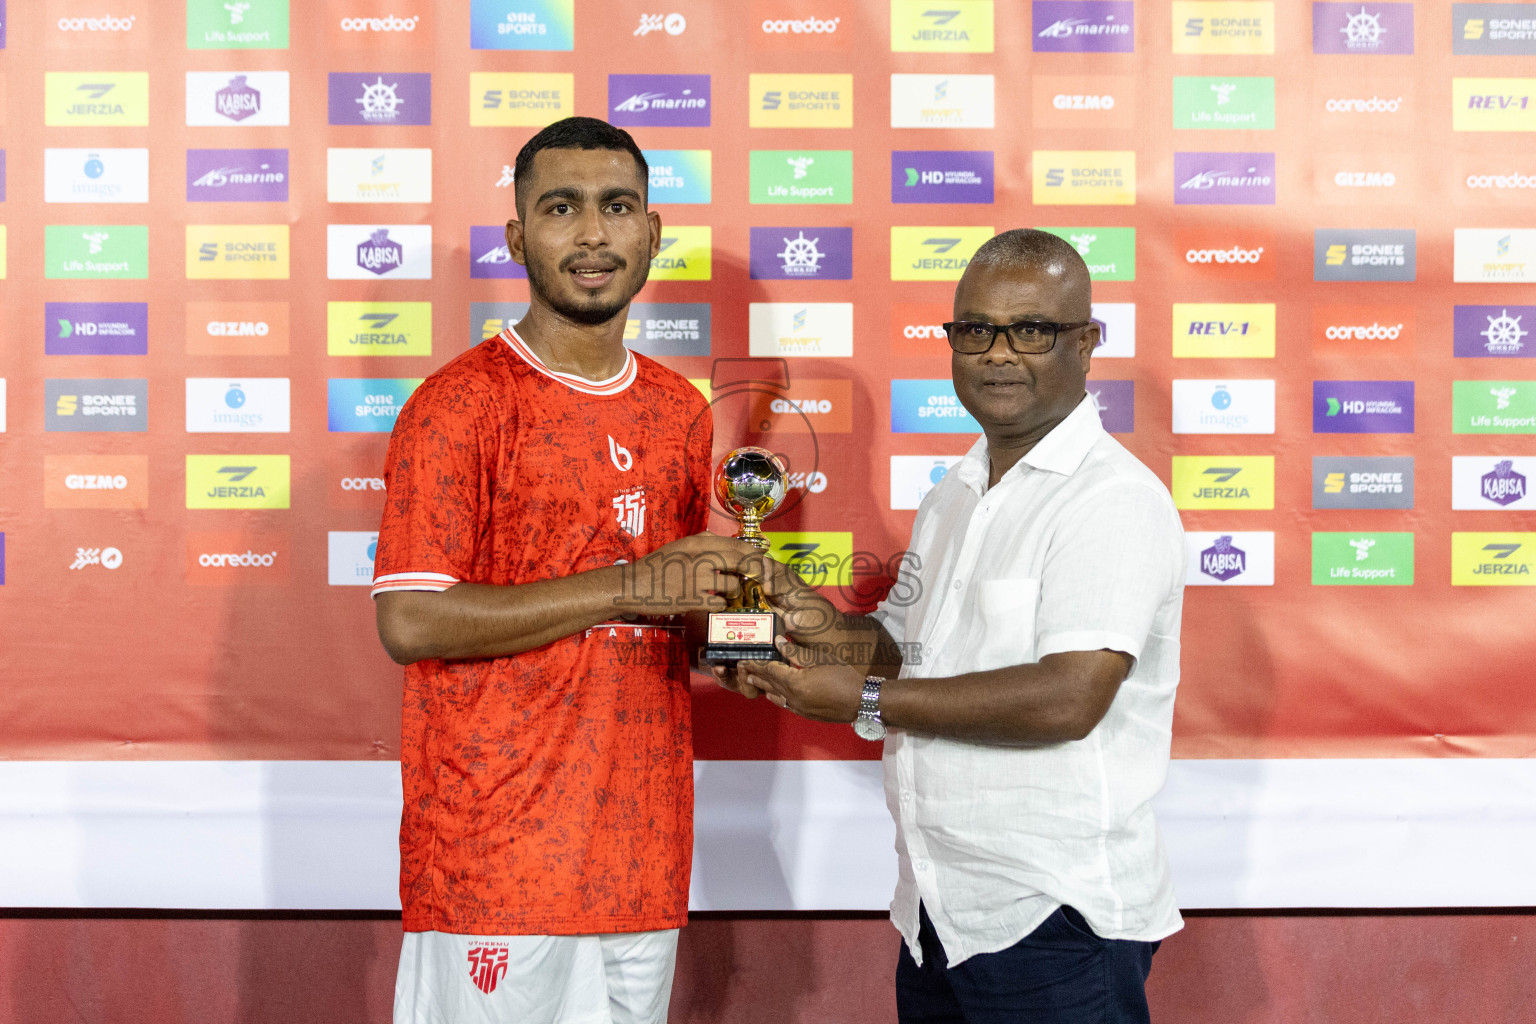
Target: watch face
869	730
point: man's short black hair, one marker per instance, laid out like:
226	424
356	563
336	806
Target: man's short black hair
576	133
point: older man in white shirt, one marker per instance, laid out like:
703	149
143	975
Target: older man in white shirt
1029	723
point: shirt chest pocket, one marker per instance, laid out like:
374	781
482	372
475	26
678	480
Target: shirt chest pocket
1004	631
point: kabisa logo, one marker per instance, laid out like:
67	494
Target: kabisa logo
96	405
250	405
826	254
1362	407
1223	560
1493	559
942	101
366	405
1235	330
237	481
1109	252
237	24
1229	559
1223	26
679	101
1224	178
1115	402
1362	559
779	329
1503	29
685	254
1084	177
368	252
1352	481
220	99
928	407
1493	331
918	26
349	557
1493	104
520	99
95	98
237	175
1364	254
237	251
941	176
96	175
1503	486
522	24
378	328
1224	481
800	101
939	253
1363	28
1223	406
1494	255
673	24
1207	103
96	328
489	256
238	100
1493	407
1083	26
375	98
679	175
1491	482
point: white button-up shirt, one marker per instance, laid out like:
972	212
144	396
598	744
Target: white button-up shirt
1077	548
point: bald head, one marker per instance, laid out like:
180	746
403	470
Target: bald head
1040	252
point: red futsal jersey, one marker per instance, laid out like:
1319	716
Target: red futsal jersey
549	792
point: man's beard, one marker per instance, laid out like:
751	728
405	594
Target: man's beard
544	281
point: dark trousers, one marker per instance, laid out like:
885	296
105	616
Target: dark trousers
1061	973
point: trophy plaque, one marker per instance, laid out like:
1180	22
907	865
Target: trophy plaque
749	482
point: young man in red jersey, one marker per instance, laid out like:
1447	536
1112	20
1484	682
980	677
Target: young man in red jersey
536	485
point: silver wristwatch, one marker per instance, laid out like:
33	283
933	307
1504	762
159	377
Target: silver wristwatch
868	724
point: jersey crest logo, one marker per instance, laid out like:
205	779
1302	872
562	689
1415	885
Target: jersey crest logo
622	460
630	506
487	966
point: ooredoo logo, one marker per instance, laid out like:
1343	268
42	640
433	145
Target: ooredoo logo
800	25
1363	329
234	558
356	481
388	23
1231	254
916	330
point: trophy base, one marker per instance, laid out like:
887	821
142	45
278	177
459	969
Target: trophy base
730	654
740	636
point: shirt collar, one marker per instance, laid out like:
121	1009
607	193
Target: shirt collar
1060	451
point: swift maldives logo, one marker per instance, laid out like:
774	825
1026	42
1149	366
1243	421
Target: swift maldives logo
1084	26
1229	179
678	101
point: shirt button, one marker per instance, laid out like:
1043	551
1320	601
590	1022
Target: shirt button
906	796
959	584
922	866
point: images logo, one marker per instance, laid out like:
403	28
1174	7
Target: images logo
378	175
1222	26
1229	559
679	175
801	176
680	101
913	476
95	481
800	101
1109	252
1115	402
1084	101
941	101
1494	255
1223	407
349	557
1493	407
378	328
367	252
95	99
1084	178
941	176
367	405
95	252
250	405
1362	559
499	99
489	256
237	175
1351	481
928	407
1493	559
1493	29
237	24
96	328
96	405
1245	179
685	254
1364	254
778	329
921	27
1207	103
220	99
1493	104
237	328
1491	482
376	98
1084	26
1232	330
1362	407
246	252
1493	331
522	24
96	175
1224	481
934	253
1362	28
790	254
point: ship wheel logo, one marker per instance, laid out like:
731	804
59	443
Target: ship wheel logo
1363	31
379	101
800	255
1504	333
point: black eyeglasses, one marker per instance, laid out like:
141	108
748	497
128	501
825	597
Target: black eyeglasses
1027	337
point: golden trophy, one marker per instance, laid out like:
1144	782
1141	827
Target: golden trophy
749	482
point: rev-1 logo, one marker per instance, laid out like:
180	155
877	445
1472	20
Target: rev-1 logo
1218	327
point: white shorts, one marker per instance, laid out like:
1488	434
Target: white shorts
535	979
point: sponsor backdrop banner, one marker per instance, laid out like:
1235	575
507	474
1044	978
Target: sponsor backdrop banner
234	237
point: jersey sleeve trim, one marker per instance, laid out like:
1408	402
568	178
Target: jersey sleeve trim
431	581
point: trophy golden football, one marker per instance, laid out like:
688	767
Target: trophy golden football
749	482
